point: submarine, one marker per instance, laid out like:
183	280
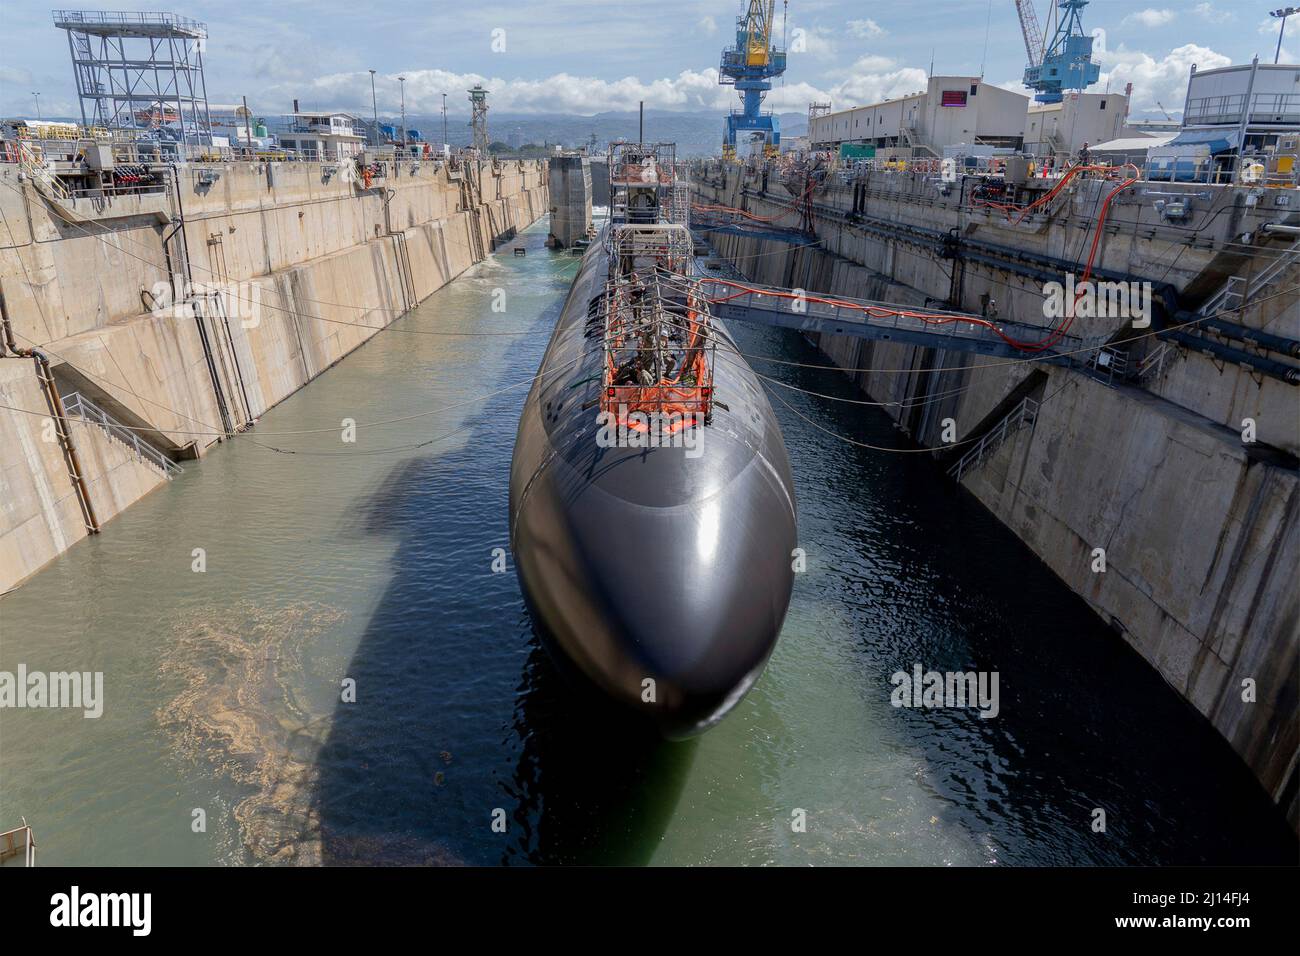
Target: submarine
652	509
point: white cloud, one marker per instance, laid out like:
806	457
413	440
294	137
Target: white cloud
871	78
817	41
866	29
1208	11
1150	18
15	77
1156	81
559	93
1272	25
872	63
708	25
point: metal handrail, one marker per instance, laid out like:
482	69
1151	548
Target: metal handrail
124	17
1025	413
75	403
10	845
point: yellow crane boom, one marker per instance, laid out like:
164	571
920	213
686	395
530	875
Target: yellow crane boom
758	24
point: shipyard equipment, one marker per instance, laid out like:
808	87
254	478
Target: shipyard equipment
140	71
652	514
750	66
1065	61
478	119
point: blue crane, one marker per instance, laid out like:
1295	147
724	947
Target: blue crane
1064	62
750	66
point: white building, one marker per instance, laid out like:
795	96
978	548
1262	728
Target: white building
951	110
1062	128
328	137
1220	126
1216	103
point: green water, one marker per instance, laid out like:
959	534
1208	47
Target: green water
373	562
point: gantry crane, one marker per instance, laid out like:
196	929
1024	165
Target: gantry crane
1064	63
750	66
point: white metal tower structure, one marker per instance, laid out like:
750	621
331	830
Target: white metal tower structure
139	71
478	120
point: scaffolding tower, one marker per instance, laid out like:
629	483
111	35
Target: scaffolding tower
140	71
478	103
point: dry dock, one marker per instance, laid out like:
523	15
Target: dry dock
313	261
1153	464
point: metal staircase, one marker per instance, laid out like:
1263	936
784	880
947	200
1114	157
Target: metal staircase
1025	413
77	404
35	168
1237	290
912	139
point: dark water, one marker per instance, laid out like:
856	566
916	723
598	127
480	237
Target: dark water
376	565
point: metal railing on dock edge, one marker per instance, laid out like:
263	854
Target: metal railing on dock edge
1025	413
77	404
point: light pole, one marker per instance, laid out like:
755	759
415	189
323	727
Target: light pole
38	105
444	121
1281	14
374	105
402	81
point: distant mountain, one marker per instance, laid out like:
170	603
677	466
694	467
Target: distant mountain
695	133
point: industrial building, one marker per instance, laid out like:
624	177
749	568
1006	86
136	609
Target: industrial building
951	110
1215	111
1061	128
324	136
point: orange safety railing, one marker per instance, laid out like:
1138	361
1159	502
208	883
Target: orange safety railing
682	392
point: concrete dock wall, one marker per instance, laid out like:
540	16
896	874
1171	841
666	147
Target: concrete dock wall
316	264
1198	527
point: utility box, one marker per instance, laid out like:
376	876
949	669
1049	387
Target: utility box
99	156
1017	170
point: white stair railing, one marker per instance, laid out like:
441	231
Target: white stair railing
77	404
1025	413
35	167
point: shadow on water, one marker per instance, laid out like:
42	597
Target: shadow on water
460	714
929	576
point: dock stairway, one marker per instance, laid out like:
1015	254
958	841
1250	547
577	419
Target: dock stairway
1235	293
1239	289
77	404
912	139
1025	413
35	168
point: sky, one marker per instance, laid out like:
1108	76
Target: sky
588	56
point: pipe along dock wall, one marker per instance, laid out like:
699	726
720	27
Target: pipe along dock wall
328	261
1198	526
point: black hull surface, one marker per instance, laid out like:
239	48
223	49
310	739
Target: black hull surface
662	575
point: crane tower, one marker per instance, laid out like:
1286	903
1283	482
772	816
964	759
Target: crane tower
750	66
1064	62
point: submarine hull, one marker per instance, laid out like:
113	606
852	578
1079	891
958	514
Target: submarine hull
661	575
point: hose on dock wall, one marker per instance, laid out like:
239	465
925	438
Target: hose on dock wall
58	414
204	338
